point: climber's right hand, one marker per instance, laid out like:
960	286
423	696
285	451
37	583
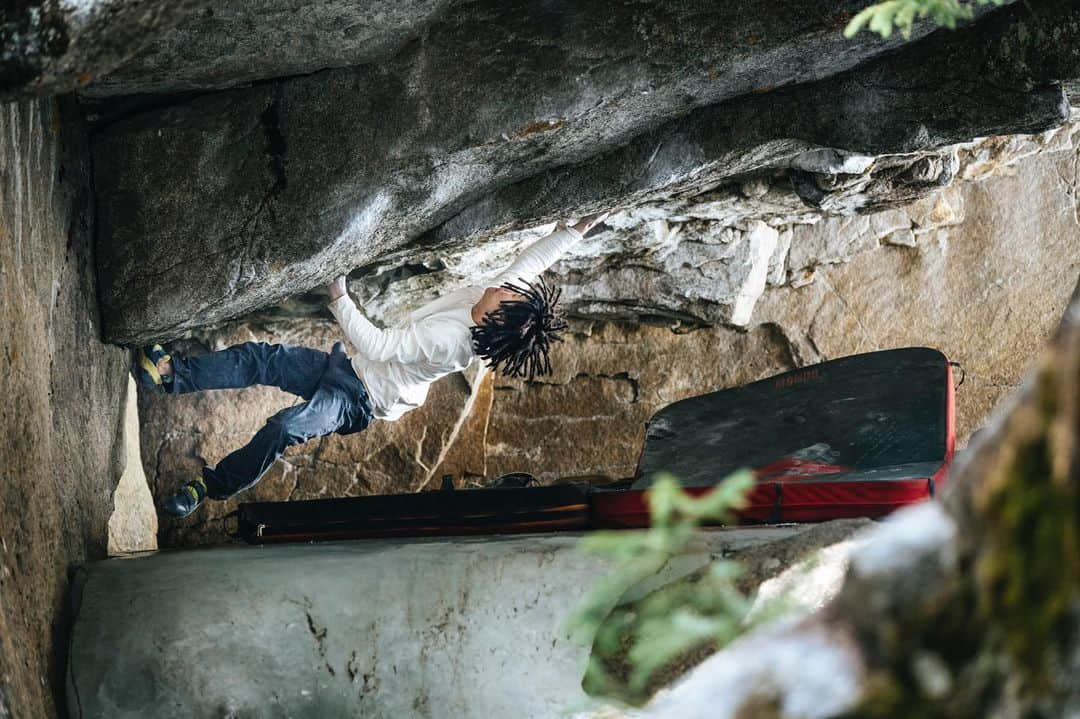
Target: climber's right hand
337	289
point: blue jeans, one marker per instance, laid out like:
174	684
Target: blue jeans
336	401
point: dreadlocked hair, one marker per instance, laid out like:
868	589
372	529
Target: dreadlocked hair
516	337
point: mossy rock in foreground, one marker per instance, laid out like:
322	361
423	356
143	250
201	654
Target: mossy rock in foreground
991	626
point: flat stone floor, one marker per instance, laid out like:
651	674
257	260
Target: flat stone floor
459	627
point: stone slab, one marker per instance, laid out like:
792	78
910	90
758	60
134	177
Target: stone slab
457	628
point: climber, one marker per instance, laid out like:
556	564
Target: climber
510	325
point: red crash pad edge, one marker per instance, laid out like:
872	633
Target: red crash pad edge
802	501
773	502
787	491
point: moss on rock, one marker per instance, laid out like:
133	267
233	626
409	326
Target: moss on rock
998	615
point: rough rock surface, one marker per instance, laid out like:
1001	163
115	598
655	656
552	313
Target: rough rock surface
987	291
966	608
54	46
972	285
795	557
217	205
63	394
231	44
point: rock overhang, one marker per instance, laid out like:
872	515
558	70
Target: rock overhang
704	259
446	125
221	204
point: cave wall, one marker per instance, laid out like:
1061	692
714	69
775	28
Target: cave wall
63	394
981	269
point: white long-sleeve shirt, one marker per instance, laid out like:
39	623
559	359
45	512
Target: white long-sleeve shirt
397	365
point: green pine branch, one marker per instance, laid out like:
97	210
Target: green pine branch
650	635
886	17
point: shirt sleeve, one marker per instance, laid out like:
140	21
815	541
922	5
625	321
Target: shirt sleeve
417	342
539	256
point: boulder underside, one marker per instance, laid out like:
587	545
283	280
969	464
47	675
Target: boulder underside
495	117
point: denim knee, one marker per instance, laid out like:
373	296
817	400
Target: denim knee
287	422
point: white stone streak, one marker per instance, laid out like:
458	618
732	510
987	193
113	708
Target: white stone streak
80	10
761	241
832	161
474	392
809	585
133	524
811	671
778	262
907	536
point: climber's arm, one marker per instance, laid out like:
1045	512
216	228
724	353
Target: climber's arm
546	251
419	341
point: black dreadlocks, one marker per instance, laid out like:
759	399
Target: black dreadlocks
518	334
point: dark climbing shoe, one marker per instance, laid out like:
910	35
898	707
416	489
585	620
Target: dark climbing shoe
146	361
185	500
